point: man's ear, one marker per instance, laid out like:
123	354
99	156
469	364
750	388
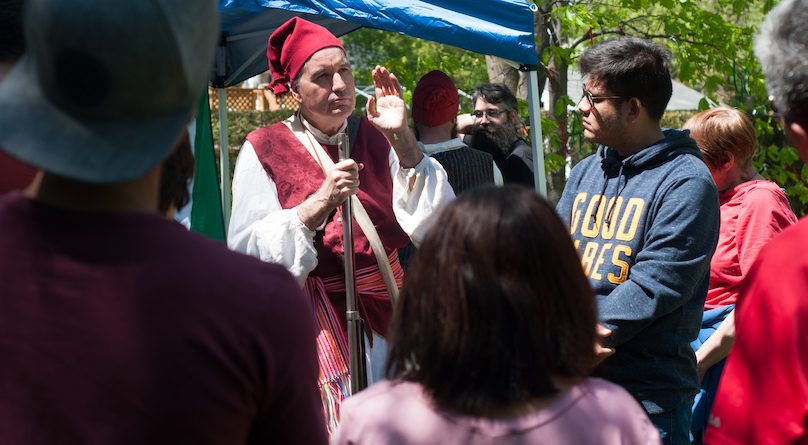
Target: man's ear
727	166
634	110
295	95
514	114
797	136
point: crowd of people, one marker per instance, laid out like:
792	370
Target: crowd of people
659	301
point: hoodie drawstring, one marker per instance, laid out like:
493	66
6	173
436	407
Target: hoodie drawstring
609	161
617	191
602	191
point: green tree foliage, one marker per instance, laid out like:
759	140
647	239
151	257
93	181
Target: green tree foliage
711	42
410	58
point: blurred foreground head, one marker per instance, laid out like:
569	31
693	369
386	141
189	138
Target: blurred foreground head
105	88
495	305
782	47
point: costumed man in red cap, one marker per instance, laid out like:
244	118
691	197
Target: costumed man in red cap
288	186
435	103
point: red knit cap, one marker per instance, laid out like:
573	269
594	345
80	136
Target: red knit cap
435	100
290	46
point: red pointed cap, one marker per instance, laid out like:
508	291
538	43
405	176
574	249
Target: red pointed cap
290	46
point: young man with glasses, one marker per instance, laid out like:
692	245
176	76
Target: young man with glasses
496	130
643	213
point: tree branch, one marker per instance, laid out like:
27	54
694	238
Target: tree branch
586	36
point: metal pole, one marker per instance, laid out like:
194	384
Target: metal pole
224	156
536	137
355	325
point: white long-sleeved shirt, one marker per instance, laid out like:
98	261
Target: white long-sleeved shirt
260	227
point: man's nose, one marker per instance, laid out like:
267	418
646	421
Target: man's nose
338	83
583	105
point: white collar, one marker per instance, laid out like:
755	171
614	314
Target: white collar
319	135
451	144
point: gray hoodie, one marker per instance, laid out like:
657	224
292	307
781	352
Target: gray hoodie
646	227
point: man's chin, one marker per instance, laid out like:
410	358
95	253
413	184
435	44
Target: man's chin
343	110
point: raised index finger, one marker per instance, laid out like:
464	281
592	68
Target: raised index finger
384	82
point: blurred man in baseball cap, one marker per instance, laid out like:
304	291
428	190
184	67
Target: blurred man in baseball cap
116	325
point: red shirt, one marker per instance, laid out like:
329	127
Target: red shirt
751	214
763	394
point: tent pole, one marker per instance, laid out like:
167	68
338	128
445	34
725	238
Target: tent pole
536	137
224	156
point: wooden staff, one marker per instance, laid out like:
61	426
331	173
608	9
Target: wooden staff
356	326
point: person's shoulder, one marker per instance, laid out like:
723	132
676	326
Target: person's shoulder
763	190
12	201
591	161
609	401
615	409
479	154
267	133
688	164
521	145
521	148
685	168
387	394
785	249
225	273
268	129
606	391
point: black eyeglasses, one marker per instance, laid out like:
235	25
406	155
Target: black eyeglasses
592	99
492	114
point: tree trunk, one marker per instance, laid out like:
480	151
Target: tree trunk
500	71
557	84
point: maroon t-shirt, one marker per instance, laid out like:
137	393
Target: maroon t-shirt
128	329
14	175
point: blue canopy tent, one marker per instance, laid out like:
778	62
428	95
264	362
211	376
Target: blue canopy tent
502	28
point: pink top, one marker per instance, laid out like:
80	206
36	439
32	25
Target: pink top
751	214
594	411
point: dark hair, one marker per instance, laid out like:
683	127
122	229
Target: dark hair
495	305
178	170
12	43
631	67
496	93
782	47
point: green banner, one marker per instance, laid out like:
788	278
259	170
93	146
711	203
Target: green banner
206	210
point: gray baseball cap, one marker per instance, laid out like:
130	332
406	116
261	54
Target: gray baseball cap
105	88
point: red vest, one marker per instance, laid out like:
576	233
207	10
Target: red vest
297	176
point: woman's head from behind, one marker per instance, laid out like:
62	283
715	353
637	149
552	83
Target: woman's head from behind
495	306
723	135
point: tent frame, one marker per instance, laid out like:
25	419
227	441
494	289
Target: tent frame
223	79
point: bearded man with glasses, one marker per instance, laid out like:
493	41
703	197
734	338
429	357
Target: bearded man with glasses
496	130
643	213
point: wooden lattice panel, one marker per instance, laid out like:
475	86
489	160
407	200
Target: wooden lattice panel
238	99
248	99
